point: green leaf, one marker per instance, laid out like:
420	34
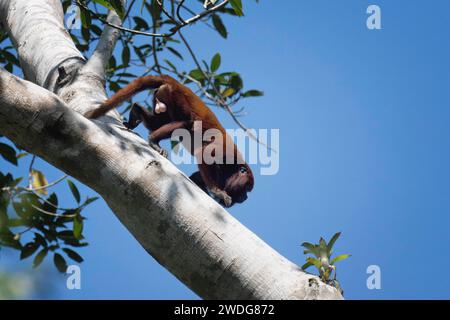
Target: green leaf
8	153
236	81
39	239
237	7
175	52
89	201
9	67
126	56
26	208
197	74
96	30
306	265
113	86
51	204
10	57
66	234
253	93
113	5
215	62
307	245
40	257
228	92
74	190
60	262
7	238
220	27
39	181
322	244
85	16
314	262
77	226
340	258
141	24
312	248
140	54
75	243
16	222
73	255
170	64
28	250
333	241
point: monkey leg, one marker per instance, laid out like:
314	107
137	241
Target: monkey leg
165	132
135	117
151	121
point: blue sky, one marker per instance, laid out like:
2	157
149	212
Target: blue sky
364	148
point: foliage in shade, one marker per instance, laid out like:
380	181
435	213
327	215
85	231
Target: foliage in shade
33	223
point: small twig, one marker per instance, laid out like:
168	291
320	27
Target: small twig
24	231
173	31
30	170
129	10
55	214
180	5
121	28
191	12
47	185
161	4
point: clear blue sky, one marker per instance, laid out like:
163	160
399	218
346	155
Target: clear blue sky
365	139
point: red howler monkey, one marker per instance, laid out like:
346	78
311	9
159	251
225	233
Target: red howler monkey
177	107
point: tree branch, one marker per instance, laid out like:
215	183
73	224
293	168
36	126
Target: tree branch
98	62
178	224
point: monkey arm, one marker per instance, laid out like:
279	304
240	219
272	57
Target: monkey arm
196	177
140	84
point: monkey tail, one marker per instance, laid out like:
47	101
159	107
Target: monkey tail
140	84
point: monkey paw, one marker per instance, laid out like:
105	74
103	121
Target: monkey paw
227	201
160	150
131	125
223	197
164	153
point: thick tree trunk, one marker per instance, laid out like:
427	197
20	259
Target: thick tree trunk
180	226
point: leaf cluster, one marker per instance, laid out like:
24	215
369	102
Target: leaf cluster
321	258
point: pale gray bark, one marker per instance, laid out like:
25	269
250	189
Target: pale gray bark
180	226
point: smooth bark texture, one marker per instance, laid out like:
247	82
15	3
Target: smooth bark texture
179	225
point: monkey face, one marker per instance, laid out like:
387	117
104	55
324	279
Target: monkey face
239	183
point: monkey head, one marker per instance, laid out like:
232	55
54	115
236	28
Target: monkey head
238	182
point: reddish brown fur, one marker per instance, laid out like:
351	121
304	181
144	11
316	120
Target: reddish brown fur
227	182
